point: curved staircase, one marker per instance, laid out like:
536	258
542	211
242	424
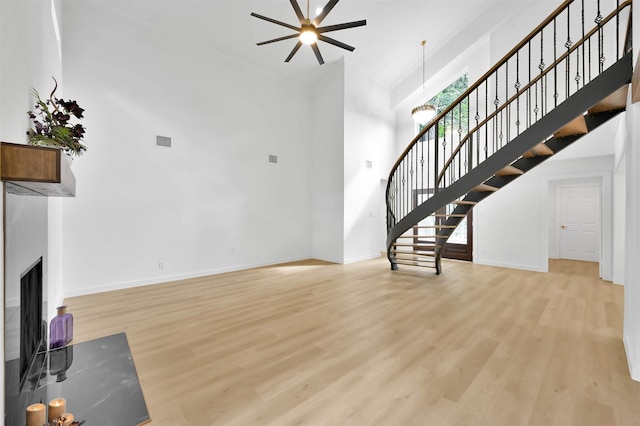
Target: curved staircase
516	116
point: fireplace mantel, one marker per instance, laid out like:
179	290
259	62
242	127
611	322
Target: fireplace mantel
35	170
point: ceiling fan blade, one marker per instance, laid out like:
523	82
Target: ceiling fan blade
278	39
342	26
316	50
293	52
284	24
299	14
325	12
336	43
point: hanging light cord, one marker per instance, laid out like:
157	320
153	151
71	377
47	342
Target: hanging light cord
423	75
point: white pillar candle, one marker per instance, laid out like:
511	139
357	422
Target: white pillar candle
57	407
36	415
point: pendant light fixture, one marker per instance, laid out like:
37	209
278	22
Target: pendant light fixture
424	113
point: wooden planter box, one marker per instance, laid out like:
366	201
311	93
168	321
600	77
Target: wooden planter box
34	170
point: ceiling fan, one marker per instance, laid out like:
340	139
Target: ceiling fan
309	31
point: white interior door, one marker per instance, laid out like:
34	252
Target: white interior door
580	222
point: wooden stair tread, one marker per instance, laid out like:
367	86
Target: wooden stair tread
422	236
430	245
540	149
452	215
615	101
414	253
472	203
509	171
483	187
577	126
434	226
430	257
413	263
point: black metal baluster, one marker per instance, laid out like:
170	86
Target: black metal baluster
528	106
517	87
577	78
486	116
584	74
422	160
470	139
428	157
506	99
446	141
496	102
477	118
459	140
568	45
617	30
436	156
555	69
411	177
452	168
598	21
469	153
402	204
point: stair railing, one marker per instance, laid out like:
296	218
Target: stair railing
553	62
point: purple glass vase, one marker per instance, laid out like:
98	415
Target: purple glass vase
61	328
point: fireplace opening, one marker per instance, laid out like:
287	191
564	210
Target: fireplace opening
33	328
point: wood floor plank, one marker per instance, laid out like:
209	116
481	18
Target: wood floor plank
317	343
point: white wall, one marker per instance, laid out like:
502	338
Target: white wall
515	227
632	266
368	137
619	213
353	125
327	172
209	204
631	331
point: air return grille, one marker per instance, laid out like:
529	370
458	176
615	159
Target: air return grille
164	141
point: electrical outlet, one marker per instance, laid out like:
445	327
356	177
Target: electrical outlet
160	265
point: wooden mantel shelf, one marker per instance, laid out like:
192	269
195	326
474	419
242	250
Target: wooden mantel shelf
34	170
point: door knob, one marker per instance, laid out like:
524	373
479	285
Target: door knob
562	226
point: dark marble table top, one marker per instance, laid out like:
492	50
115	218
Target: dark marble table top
97	378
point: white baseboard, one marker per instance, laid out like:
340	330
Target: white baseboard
369	256
512	265
634	370
177	277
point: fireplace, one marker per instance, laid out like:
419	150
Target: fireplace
33	328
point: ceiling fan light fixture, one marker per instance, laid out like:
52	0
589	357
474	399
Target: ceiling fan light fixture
311	32
308	35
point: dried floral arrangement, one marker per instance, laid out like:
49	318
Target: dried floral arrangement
52	124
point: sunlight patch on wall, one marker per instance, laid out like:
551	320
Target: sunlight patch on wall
56	28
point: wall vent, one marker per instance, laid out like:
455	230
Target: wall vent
164	141
273	158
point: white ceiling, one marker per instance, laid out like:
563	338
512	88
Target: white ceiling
388	47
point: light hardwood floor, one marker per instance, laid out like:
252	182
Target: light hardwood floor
324	344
